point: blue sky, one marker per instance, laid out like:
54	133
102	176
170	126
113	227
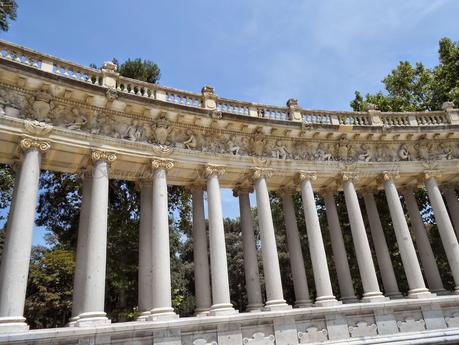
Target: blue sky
265	51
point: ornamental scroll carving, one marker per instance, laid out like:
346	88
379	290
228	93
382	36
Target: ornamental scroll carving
43	107
98	155
27	144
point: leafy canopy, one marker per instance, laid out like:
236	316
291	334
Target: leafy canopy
7	12
417	88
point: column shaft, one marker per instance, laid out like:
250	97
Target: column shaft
300	283
18	244
422	242
453	207
405	243
93	287
145	252
445	228
382	251
362	247
161	267
82	242
273	283
252	279
218	263
200	255
339	250
316	246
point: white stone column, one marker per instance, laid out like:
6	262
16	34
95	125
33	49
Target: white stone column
81	257
405	243
221	302
300	283
252	278
145	253
382	251
18	244
161	260
200	254
271	269
316	245
445	227
93	254
339	250
368	276
426	254
453	206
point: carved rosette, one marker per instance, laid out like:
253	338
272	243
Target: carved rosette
159	163
34	144
305	176
107	156
261	172
213	170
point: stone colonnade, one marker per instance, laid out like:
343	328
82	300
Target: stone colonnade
211	277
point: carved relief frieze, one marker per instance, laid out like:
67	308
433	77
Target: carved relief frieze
363	329
312	335
164	134
259	338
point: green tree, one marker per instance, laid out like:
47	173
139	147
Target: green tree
49	291
417	88
7	12
144	70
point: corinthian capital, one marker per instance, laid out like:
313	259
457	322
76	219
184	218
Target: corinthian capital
99	155
305	176
213	170
350	176
389	175
34	144
428	174
261	172
160	163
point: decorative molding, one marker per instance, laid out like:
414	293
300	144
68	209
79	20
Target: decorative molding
259	338
260	172
411	325
160	163
363	329
109	157
312	335
27	144
305	175
213	170
37	128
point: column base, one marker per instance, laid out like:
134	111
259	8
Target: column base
90	319
253	308
143	316
200	312
13	324
276	304
157	314
394	295
440	292
374	296
349	299
326	301
222	309
420	293
303	304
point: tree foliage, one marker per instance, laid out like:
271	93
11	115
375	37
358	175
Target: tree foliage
8	10
144	70
418	88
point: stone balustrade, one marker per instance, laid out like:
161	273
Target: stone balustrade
59	116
